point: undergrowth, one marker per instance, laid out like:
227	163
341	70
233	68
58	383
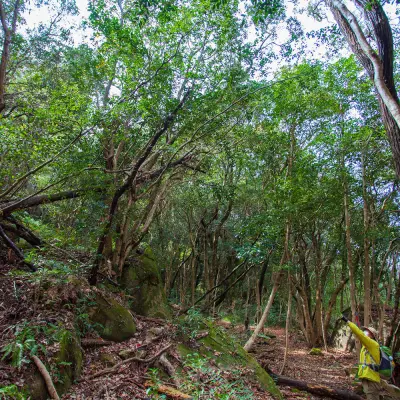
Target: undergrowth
24	345
11	392
202	381
192	323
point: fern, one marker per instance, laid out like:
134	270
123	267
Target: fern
11	392
24	345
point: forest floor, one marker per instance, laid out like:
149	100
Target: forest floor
18	303
328	369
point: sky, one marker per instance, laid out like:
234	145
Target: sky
36	16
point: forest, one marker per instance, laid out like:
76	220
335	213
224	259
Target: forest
193	193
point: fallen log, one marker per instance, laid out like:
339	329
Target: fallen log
10	244
318	390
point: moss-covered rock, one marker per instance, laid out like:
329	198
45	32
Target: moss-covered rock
315	352
110	359
226	353
111	319
35	387
66	367
68	361
142	280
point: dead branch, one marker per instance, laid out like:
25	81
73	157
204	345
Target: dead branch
127	361
47	378
170	392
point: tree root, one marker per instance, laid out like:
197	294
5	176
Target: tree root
47	378
169	369
127	361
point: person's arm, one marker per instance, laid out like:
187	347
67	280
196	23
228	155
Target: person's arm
370	344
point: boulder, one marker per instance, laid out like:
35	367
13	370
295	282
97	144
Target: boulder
111	320
142	281
68	367
68	360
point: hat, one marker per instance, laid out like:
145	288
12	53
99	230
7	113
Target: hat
371	329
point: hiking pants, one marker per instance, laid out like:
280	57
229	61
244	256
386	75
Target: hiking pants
373	389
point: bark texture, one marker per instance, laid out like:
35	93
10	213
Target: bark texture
379	66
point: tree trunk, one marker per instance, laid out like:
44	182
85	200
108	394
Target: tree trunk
285	256
318	326
246	316
367	272
8	33
352	278
332	303
128	184
288	316
308	328
389	339
249	344
370	61
378	77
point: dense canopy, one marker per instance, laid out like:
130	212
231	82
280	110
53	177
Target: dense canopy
254	146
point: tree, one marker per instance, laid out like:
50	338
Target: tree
379	66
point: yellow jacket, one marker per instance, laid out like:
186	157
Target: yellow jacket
369	354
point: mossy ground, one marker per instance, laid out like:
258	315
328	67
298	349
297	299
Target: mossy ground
216	345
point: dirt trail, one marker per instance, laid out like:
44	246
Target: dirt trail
327	369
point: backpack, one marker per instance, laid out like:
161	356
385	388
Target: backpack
385	368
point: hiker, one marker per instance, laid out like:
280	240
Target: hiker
370	359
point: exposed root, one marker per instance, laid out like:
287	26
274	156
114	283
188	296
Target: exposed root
127	361
47	378
169	369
